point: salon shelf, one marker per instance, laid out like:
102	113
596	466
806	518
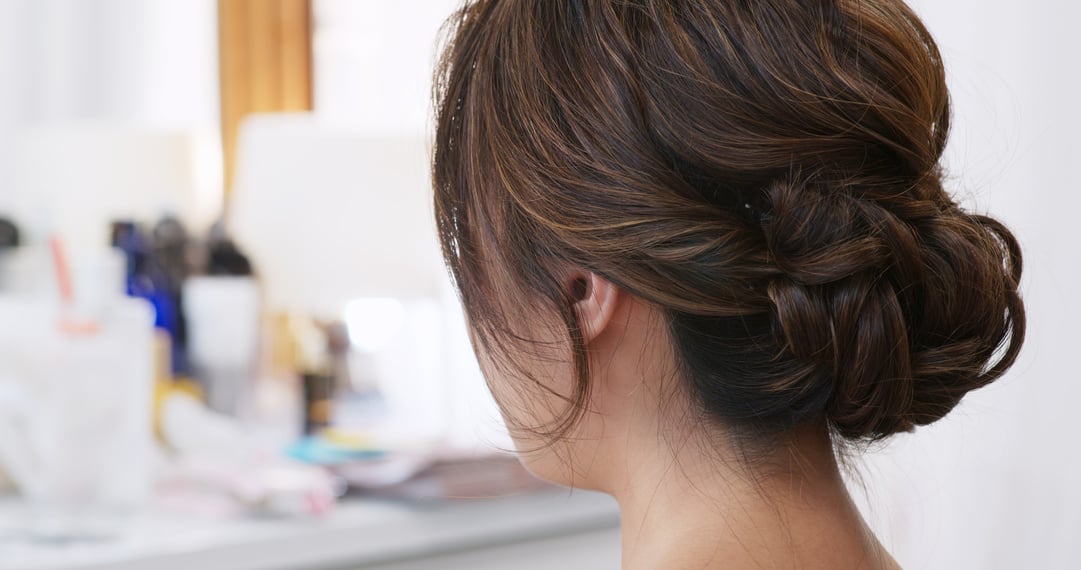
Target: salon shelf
541	529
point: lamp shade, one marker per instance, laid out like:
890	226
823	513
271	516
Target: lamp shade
329	213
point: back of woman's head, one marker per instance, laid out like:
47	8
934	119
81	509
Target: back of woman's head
764	172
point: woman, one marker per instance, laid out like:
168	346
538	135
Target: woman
705	250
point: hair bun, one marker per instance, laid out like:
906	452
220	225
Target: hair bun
901	327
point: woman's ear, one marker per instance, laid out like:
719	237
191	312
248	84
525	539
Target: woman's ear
595	299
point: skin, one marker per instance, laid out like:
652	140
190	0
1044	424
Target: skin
687	498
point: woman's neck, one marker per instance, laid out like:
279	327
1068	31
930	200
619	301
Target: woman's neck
680	509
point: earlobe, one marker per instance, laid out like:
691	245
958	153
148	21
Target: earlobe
595	300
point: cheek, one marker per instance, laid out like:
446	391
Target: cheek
532	391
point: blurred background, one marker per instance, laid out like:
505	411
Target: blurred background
226	338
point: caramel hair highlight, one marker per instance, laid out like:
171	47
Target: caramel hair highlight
765	172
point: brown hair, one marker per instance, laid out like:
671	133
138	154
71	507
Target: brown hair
765	172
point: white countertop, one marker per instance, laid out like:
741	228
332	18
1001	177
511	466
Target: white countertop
357	533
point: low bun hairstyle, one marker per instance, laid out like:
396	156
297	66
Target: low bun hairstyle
764	172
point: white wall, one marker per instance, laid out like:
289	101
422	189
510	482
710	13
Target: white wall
150	61
374	61
83	67
15	75
995	485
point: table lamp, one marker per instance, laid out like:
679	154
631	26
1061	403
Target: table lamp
338	224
